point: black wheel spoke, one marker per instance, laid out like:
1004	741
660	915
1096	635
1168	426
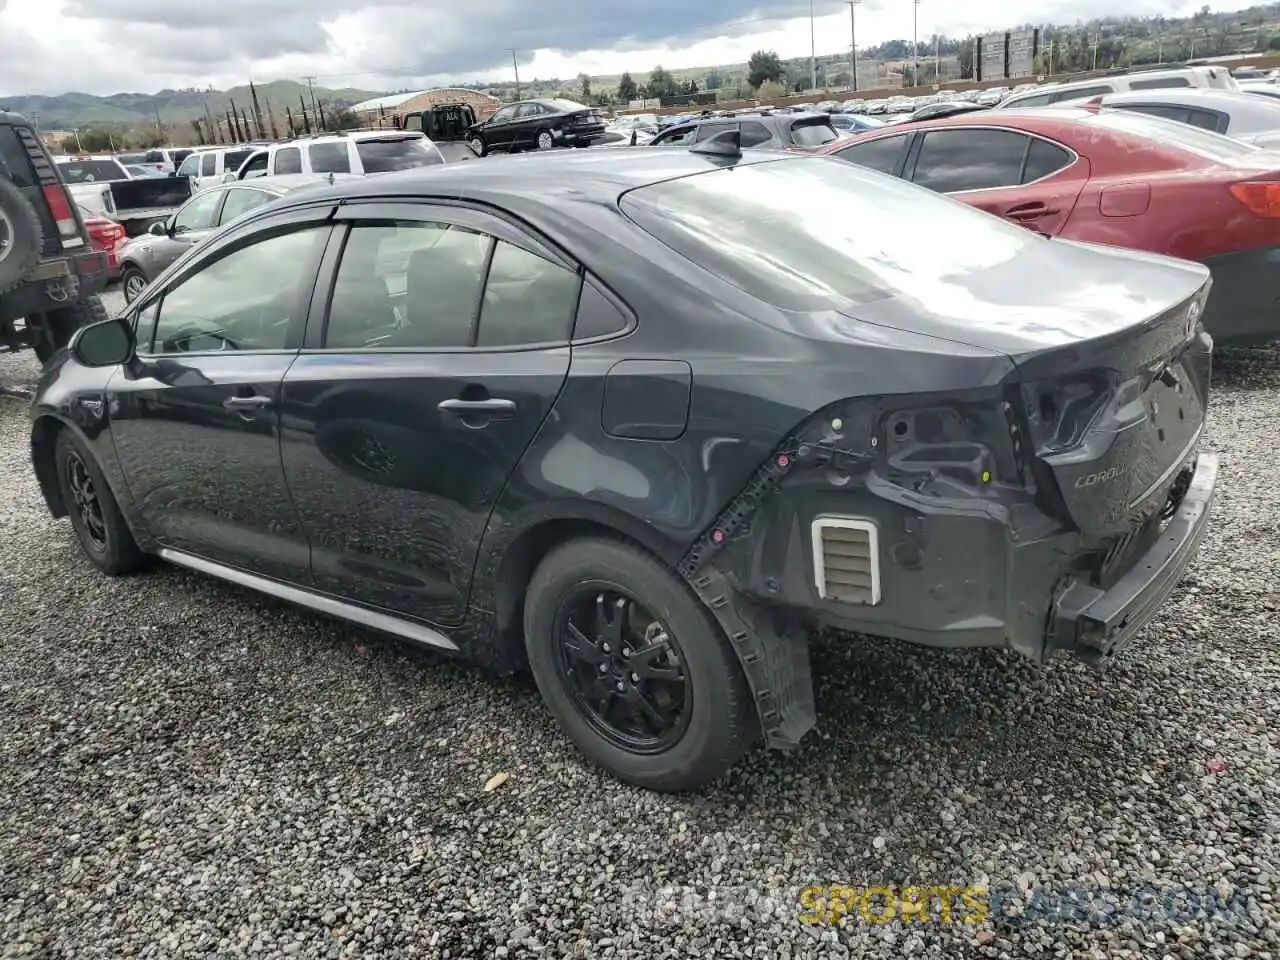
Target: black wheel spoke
86	502
648	663
581	647
624	670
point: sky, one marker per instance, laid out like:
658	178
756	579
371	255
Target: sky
108	46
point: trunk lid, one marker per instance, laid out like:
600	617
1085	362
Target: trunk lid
1114	373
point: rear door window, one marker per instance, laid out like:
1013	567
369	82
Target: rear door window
288	160
950	161
885	154
1044	158
329	158
527	300
208	164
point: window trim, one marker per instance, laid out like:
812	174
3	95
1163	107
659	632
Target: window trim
491	222
191	262
921	134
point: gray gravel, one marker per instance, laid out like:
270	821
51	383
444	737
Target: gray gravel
190	769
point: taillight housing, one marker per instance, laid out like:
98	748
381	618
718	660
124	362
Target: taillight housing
55	195
1262	197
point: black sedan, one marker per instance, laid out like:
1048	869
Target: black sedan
639	425
781	131
537	125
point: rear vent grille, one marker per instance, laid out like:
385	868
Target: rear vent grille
846	560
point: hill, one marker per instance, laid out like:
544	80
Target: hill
71	110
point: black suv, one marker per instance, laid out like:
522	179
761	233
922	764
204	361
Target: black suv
782	131
49	272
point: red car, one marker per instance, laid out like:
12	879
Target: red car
1115	177
107	236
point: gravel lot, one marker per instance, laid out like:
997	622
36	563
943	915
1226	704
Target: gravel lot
190	769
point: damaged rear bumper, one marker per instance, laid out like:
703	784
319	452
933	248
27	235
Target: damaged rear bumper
1097	624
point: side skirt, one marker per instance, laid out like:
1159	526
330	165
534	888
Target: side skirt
320	603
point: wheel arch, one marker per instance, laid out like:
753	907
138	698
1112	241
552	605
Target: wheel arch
44	439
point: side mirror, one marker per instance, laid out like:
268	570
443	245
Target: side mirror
103	344
158	229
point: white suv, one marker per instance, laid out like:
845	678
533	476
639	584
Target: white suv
358	152
207	166
1216	78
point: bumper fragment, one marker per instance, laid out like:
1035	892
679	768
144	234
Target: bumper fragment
1096	624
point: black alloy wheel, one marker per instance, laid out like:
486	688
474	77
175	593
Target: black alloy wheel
85	502
624	670
633	667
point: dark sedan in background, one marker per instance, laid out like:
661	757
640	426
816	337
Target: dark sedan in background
145	257
547	412
537	125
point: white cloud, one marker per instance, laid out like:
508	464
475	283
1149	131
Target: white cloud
56	46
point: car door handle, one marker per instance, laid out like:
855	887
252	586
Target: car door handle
493	408
256	402
1029	211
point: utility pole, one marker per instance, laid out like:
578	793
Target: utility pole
853	42
515	65
915	41
937	59
1095	49
813	52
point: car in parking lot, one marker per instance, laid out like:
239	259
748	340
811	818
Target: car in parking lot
537	125
1134	79
547	412
786	131
1111	176
357	152
143	258
1231	113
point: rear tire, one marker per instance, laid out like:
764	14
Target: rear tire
478	146
545	141
95	516
54	328
693	729
21	237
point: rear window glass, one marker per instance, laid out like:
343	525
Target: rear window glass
384	156
568	105
809	234
90	171
813	134
1170	133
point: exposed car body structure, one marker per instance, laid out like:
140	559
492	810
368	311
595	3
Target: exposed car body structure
1116	177
638	424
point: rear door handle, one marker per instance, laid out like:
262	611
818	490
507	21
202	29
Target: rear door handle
1029	211
494	408
256	402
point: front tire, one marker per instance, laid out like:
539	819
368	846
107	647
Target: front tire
95	516
634	669
132	282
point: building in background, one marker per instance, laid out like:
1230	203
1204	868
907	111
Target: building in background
397	105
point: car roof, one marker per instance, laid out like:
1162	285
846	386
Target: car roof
584	174
1208	96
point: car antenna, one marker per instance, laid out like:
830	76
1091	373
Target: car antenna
727	144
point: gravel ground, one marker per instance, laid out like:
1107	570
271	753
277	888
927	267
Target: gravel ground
190	769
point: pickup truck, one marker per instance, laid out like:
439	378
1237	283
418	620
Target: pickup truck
50	273
104	187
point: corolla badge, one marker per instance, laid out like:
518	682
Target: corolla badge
1102	476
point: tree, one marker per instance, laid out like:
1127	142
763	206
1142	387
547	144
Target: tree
711	81
764	66
661	84
89	140
627	88
584	84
